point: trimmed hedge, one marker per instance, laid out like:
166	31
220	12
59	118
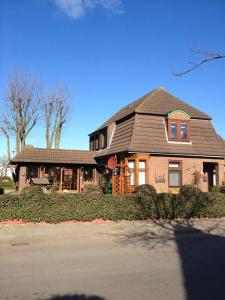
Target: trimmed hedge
35	205
219	189
6	182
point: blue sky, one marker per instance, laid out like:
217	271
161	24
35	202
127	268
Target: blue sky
110	52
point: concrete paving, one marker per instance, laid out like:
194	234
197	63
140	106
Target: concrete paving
124	260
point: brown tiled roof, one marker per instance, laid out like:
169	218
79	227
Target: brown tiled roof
157	102
41	155
147	133
222	141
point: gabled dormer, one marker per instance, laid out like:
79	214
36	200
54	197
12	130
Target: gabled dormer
178	126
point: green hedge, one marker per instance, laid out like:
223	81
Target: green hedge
35	205
6	182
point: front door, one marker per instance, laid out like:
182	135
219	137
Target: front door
69	180
211	170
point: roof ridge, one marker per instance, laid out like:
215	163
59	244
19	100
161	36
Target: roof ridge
176	98
156	102
148	95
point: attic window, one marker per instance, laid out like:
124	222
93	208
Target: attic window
178	126
179	130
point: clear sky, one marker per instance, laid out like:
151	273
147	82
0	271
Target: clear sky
110	52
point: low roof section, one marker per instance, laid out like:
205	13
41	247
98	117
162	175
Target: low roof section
54	156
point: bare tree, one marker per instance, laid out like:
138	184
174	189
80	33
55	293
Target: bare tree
5	133
56	115
22	101
206	56
3	165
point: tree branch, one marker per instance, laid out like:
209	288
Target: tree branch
208	56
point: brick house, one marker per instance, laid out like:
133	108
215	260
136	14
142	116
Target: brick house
157	139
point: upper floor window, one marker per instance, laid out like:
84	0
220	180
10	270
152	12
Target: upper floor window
178	126
173	128
98	141
183	131
179	130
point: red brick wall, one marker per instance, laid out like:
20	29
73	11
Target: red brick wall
159	168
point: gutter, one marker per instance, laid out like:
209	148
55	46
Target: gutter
178	154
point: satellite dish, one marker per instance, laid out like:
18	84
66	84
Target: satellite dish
112	162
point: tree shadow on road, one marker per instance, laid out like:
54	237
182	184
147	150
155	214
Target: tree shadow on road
75	297
201	254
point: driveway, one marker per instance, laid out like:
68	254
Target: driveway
124	260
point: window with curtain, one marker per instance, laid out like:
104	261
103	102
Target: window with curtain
175	174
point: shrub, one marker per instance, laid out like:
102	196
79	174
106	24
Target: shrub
218	189
92	190
166	206
145	190
8	200
1	191
215	189
6	182
189	201
222	189
32	193
146	197
214	205
34	205
189	191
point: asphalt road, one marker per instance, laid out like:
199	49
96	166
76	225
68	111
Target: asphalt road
112	262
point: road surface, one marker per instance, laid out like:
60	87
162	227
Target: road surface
125	260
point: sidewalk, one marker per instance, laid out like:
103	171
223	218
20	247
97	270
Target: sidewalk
107	229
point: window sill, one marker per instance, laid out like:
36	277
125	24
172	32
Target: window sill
180	142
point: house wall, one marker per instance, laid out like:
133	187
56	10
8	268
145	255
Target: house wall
41	174
159	169
22	178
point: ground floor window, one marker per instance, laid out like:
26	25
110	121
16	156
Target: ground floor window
175	174
142	172
87	173
32	172
137	169
131	166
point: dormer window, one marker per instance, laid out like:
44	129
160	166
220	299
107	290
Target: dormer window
178	130
173	129
178	126
183	131
98	141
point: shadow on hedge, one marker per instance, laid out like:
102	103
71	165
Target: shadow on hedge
201	254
